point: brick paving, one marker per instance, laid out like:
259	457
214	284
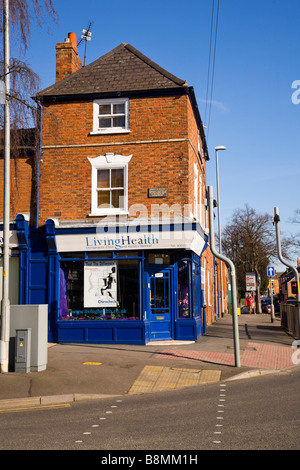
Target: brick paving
259	355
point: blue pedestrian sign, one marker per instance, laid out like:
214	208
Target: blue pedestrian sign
271	271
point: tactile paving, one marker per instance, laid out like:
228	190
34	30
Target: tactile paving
156	378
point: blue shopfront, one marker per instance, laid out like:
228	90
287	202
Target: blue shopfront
119	285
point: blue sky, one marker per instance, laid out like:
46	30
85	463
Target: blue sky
256	62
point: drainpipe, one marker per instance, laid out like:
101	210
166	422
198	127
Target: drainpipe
38	166
231	267
276	220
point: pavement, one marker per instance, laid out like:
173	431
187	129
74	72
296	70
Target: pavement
77	372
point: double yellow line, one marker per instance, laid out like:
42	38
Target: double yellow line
30	408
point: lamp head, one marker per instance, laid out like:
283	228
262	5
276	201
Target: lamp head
221	147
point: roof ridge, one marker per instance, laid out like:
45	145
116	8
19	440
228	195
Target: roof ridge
153	64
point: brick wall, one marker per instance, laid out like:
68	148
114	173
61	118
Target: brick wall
67	58
20	185
67	144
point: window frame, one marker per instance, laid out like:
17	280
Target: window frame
107	162
110	130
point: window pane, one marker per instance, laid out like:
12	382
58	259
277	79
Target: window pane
119	108
117	199
162	293
117	178
119	121
104	122
104	109
104	199
159	258
103	179
183	289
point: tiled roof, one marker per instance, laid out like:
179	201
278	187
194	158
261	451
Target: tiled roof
122	69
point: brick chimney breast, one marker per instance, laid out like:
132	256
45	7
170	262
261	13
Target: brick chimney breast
67	58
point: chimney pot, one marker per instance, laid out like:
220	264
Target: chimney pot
72	38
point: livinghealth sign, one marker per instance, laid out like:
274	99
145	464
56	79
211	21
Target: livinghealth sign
184	239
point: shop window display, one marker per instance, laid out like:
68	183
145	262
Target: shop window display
183	289
99	290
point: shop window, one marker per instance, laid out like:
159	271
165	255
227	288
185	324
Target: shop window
159	258
99	290
196	287
184	301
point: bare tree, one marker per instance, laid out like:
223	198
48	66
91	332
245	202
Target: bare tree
22	13
250	242
296	237
24	82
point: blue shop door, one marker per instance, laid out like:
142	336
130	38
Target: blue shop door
160	304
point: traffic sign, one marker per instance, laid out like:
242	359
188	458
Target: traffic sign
271	271
250	282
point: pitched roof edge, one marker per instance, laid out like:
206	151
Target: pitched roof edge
192	96
154	65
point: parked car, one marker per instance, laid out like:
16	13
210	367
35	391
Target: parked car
266	305
290	301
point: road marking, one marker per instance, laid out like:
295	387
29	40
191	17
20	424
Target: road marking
40	407
101	418
92	363
222	394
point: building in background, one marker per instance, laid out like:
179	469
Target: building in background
288	284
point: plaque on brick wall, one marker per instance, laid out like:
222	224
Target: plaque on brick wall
157	192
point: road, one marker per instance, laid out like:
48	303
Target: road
251	414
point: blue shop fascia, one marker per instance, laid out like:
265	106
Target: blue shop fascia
122	284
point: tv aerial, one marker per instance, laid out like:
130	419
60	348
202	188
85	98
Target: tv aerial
86	36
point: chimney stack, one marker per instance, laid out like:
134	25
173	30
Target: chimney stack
67	58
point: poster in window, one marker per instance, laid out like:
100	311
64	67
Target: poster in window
100	284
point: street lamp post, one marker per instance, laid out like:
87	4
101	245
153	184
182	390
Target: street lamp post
5	304
221	147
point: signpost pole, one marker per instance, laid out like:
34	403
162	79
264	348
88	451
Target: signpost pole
271	273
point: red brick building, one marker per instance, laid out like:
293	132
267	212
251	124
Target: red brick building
121	225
